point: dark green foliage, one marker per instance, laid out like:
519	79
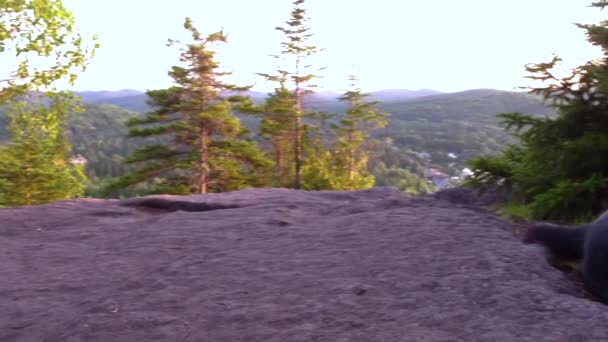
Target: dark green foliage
277	131
99	135
402	179
559	169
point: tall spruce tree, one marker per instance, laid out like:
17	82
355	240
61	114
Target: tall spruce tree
296	49
276	128
340	161
200	147
350	159
559	169
35	165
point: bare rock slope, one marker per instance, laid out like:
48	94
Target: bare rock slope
280	265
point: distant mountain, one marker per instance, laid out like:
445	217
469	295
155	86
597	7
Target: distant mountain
390	95
135	100
480	105
256	96
130	99
136	103
462	123
106	95
327	94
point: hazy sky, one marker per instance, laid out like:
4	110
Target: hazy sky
408	44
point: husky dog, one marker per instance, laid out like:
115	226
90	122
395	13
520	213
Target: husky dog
586	244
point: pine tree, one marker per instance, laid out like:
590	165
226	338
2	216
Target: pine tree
559	170
201	149
350	158
35	165
297	48
277	116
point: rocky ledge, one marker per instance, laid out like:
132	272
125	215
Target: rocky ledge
280	265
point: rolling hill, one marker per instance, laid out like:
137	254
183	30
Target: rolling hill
390	95
135	100
462	123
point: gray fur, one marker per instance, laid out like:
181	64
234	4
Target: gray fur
586	243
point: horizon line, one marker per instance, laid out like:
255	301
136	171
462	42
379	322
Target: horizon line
514	89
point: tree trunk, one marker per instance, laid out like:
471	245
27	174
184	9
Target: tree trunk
351	157
278	160
351	152
298	150
298	129
203	160
27	198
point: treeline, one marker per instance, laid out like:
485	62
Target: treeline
199	145
463	124
191	141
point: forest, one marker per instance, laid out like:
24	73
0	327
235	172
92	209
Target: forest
543	147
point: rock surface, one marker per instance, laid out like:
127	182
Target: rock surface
280	265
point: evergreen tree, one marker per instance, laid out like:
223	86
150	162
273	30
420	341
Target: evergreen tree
350	158
559	170
276	128
338	161
317	172
35	165
200	147
296	49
